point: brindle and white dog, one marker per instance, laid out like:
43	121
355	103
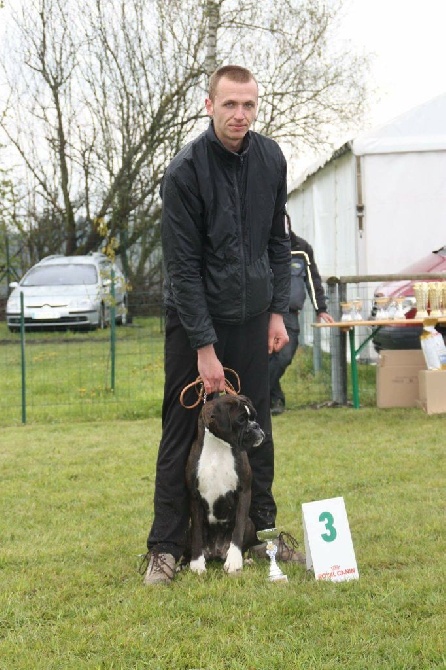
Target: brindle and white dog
218	476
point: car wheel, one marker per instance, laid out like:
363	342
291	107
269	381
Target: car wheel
392	337
123	320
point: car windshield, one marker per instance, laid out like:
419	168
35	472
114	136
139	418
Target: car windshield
61	275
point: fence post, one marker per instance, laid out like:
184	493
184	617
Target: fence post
112	330
317	350
342	295
22	351
337	347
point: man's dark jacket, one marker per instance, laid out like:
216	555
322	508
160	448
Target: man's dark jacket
226	247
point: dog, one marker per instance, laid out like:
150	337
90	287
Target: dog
218	476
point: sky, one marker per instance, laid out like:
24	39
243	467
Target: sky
408	40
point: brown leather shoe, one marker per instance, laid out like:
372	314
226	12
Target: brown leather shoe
161	569
286	550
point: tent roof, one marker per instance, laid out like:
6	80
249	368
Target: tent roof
422	128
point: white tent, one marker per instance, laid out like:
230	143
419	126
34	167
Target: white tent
379	202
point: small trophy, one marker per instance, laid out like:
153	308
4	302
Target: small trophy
443	296
399	309
382	304
269	535
346	309
356	311
421	291
435	298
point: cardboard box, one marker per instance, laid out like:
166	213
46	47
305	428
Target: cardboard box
432	391
397	377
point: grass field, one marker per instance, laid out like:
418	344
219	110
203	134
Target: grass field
75	507
68	376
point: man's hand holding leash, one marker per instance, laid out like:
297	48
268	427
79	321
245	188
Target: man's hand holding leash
210	370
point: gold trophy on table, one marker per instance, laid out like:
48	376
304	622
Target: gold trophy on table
443	296
435	297
421	290
356	311
346	311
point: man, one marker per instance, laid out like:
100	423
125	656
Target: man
226	252
305	278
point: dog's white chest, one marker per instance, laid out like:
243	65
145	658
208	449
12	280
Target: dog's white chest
216	471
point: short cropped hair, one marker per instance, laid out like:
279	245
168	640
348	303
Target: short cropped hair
236	73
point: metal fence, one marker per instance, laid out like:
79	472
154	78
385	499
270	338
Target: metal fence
57	376
60	376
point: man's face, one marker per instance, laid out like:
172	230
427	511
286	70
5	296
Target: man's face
233	110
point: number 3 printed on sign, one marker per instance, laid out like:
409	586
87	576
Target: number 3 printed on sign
331	533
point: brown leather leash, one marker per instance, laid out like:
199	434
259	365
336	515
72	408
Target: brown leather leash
198	385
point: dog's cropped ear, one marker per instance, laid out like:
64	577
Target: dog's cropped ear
248	405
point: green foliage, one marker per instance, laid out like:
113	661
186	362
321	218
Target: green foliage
74	514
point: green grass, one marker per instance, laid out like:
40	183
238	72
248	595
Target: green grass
69	376
75	508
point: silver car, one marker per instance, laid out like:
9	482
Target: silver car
68	292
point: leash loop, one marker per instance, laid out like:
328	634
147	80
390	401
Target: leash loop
201	393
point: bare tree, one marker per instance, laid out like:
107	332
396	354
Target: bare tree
105	92
212	13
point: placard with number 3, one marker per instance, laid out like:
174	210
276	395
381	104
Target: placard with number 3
328	542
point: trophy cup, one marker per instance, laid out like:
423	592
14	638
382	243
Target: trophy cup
356	311
269	535
434	292
443	296
346	309
382	304
399	310
421	291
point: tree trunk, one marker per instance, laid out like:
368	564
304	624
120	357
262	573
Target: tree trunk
213	21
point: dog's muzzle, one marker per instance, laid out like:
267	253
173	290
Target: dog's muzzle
257	433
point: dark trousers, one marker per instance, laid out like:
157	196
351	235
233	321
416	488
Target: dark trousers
244	349
278	363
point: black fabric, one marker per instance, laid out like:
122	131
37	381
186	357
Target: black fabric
225	244
298	282
241	348
305	277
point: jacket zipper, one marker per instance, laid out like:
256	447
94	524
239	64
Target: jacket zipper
240	229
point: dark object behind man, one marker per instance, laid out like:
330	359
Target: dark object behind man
305	278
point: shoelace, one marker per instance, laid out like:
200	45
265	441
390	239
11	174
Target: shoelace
286	542
159	564
144	564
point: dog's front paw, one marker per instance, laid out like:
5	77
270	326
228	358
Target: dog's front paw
198	565
234	560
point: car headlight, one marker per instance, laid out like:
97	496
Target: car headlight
82	303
